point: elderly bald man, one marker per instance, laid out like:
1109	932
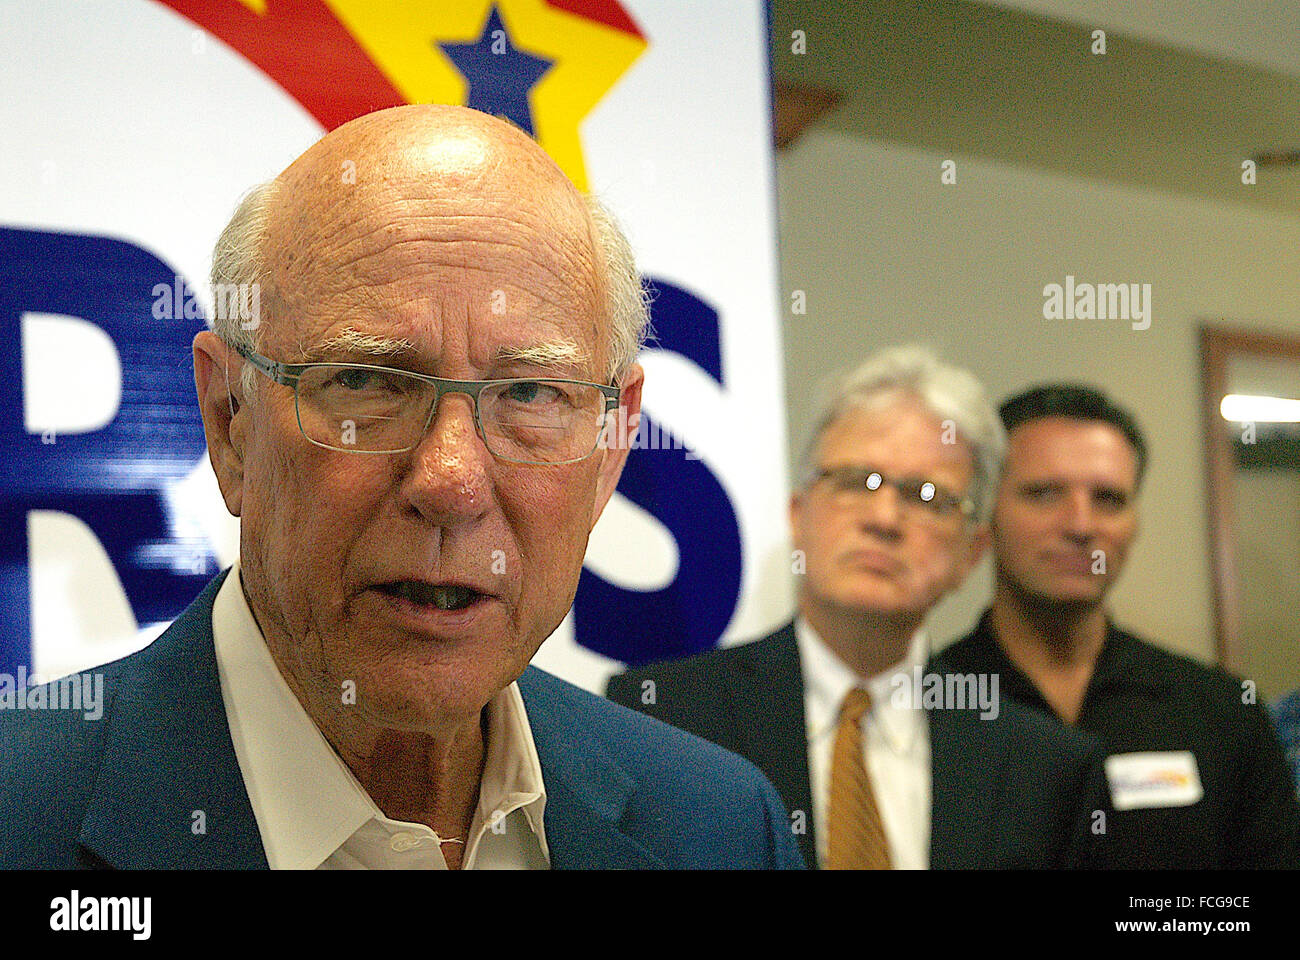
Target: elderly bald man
410	433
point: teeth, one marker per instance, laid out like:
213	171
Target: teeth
444	598
451	598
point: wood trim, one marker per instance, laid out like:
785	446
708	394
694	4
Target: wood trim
796	106
1217	345
1218	493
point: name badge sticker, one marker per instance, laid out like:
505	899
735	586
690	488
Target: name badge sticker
1154	779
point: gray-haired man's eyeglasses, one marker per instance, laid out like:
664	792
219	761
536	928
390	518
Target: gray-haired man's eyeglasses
918	496
359	408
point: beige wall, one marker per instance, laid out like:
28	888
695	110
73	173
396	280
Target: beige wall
1267	508
887	254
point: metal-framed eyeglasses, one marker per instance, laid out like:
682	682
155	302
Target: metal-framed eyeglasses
361	408
918	497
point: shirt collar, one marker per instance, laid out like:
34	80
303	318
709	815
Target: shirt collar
985	655
512	771
306	800
1122	662
827	679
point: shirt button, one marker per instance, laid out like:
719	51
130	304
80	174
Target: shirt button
401	842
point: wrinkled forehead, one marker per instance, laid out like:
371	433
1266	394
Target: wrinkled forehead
894	431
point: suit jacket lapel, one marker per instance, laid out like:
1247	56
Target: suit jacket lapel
169	792
586	790
966	762
582	831
765	686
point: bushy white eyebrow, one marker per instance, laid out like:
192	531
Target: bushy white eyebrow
563	352
555	353
369	344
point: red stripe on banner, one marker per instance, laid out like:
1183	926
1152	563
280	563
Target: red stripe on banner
608	12
303	47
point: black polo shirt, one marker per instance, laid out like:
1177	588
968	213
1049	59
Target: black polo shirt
1143	699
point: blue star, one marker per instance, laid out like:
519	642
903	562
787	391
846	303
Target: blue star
499	73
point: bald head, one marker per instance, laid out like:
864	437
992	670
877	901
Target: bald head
446	143
391	190
383	172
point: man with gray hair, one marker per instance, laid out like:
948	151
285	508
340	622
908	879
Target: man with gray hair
882	762
410	433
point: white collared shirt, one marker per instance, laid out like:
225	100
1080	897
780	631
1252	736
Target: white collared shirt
311	810
896	739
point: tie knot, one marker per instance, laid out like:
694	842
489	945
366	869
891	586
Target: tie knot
856	702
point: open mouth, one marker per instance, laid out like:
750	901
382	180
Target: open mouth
443	597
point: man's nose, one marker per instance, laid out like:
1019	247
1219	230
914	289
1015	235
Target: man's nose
450	477
881	513
1080	518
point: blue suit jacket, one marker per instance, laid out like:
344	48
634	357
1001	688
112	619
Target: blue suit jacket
623	790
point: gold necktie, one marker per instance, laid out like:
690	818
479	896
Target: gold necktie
855	836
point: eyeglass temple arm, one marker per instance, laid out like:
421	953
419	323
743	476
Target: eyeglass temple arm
278	372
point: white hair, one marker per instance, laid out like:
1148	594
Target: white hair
626	301
240	257
949	393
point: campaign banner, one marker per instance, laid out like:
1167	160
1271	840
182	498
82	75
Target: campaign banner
131	128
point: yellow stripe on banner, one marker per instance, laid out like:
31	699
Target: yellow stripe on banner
402	38
257	6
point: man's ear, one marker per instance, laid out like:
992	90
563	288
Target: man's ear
794	516
618	439
225	416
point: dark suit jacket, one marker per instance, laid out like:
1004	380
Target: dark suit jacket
1008	792
623	791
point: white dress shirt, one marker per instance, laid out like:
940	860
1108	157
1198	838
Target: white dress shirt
896	739
311	810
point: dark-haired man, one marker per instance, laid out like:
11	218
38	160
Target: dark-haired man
1195	772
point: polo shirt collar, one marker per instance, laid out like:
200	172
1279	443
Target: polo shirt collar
1120	662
